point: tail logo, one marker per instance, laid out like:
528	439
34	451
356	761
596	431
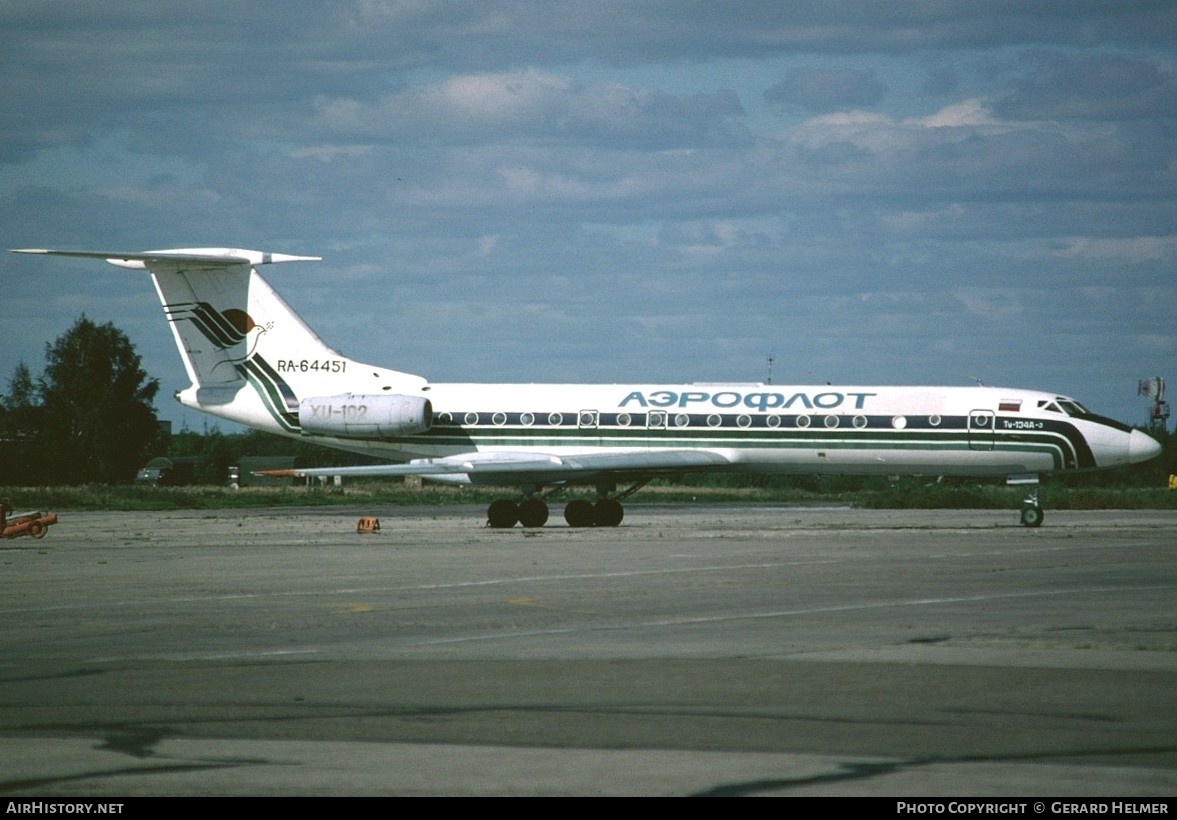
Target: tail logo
225	329
228	329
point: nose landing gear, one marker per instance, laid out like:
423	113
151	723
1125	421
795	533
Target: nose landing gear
1032	513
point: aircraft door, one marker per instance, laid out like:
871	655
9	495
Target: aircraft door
982	433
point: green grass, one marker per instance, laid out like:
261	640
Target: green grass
906	494
129	497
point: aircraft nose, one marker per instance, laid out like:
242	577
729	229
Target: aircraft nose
1142	447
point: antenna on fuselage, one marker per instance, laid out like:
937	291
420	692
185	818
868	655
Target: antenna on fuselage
770	361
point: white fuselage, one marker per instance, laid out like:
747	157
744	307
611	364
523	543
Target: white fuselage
856	430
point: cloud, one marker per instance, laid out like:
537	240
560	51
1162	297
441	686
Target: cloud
972	113
991	304
827	89
531	105
1066	86
1131	250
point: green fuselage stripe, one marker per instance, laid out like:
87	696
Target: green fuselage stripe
463	439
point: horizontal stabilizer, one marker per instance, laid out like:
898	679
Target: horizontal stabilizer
214	257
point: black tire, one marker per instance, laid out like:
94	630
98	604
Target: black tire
533	513
608	512
1032	516
579	513
502	514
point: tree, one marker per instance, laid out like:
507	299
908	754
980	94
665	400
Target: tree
19	421
97	418
22	392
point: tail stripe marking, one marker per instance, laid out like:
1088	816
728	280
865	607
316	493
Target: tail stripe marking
275	393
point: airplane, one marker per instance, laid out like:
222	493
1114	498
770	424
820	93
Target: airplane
253	361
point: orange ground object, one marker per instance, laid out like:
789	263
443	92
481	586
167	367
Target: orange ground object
34	524
368	525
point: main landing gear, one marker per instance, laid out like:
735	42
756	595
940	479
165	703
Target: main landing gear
605	512
532	511
504	513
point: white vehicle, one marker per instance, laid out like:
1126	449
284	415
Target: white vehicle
253	361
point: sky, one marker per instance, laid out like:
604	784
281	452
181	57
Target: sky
932	192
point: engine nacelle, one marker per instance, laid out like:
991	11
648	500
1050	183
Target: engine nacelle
365	416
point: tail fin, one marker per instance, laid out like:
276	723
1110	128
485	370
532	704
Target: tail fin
234	331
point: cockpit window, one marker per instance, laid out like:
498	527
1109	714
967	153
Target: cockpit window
1064	405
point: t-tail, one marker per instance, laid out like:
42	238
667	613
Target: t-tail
252	360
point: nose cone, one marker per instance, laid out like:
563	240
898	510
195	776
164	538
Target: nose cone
1142	447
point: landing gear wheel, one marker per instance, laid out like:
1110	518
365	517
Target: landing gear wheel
579	513
1032	516
502	514
608	512
37	529
533	512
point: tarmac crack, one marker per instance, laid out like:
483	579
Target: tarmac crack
867	771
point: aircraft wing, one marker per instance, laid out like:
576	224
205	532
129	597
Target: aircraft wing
523	468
